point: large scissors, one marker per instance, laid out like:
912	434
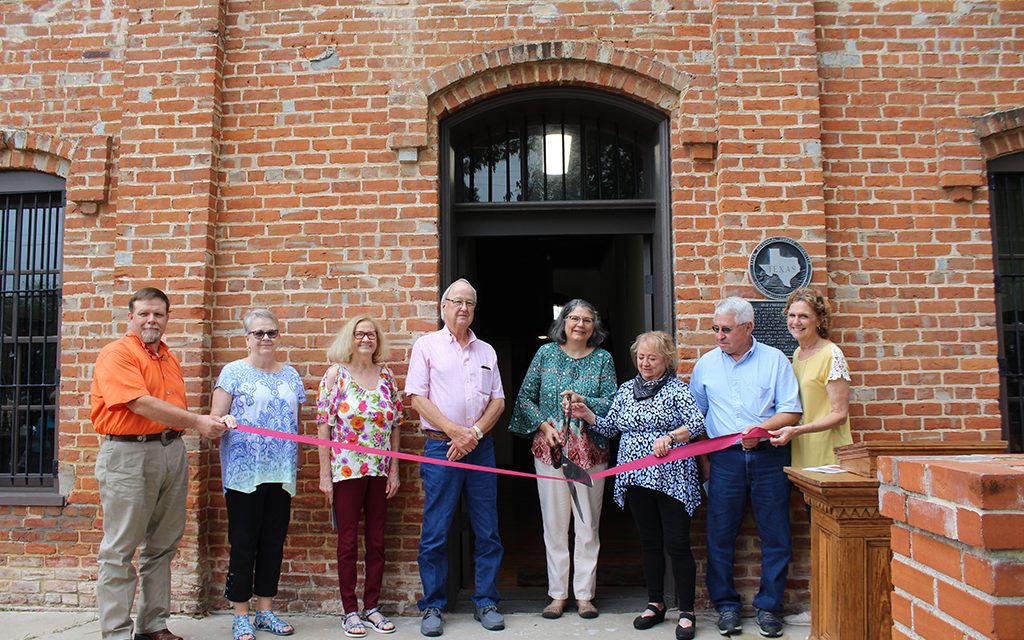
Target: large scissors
572	471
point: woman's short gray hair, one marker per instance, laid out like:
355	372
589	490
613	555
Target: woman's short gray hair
258	313
736	307
557	330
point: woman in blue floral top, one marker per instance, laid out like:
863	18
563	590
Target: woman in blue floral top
654	412
359	403
258	472
572	362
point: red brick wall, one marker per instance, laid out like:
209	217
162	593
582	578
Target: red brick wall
909	250
956	540
243	154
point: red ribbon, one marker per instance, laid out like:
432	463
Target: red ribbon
676	453
686	451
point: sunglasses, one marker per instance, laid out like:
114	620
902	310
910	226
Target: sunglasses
259	334
726	330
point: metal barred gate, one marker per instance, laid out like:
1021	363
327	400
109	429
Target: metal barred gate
1006	196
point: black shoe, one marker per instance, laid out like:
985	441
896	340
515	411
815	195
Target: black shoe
642	622
729	623
687	633
769	624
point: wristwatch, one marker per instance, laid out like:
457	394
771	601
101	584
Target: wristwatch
477	432
672	435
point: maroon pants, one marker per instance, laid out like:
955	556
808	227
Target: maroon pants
351	498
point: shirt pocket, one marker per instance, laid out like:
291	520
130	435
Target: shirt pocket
765	401
486	380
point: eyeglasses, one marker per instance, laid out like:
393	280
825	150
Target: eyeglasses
580	320
459	302
725	330
259	334
369	335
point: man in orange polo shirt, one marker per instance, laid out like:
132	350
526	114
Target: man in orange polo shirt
138	406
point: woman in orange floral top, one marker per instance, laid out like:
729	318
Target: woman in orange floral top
359	403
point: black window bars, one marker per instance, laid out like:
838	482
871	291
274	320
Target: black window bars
1006	193
31	261
550	156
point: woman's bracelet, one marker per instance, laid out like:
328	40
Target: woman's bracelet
672	436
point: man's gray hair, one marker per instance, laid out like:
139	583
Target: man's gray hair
258	313
444	296
741	310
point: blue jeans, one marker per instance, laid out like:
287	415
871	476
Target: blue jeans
442	488
735	474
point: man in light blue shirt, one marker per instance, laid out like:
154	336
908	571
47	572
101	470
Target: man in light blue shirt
741	385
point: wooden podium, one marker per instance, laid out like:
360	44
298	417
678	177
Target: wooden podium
850	552
850	555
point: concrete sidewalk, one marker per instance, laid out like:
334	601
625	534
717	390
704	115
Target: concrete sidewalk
84	625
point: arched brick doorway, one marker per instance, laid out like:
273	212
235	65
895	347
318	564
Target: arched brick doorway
547	195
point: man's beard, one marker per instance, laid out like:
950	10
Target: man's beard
150	336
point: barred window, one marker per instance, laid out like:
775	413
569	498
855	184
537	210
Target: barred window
31	241
1006	195
567	150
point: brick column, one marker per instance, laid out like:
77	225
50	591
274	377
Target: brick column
768	177
957	543
166	213
769	133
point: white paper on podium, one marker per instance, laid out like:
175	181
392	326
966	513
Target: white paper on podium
828	468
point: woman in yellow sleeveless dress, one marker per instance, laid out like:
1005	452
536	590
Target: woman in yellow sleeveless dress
824	379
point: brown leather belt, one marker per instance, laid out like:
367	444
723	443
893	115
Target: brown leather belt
434	435
165	437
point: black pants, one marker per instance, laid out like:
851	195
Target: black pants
664	525
257	524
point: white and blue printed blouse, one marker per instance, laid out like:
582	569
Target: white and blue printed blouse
269	401
640	422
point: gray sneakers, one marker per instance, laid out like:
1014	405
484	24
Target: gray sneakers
489	617
432	624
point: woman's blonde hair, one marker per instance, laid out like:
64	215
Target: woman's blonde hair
340	351
815	301
665	347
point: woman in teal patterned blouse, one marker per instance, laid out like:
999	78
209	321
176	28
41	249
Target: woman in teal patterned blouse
571	364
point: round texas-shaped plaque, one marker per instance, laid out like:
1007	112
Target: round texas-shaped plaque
779	266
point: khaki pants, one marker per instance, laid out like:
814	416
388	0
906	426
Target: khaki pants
557	510
143	486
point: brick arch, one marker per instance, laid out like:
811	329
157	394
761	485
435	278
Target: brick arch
1001	133
21	149
965	144
83	161
413	106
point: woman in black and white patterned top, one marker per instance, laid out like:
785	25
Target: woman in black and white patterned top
653	413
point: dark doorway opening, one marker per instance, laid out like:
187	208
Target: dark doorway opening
521	279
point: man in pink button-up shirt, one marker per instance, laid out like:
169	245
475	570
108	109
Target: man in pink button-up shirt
454	384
